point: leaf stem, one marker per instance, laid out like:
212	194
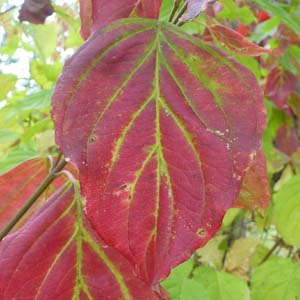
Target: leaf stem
60	164
275	246
8	10
181	12
174	10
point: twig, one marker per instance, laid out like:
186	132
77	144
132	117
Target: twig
196	264
237	230
44	185
174	10
180	14
267	256
8	10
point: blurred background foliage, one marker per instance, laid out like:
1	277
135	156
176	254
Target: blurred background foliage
31	59
255	255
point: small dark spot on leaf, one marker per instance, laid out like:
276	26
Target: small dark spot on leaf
201	232
92	139
123	187
196	176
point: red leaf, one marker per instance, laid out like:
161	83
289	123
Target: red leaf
58	256
235	42
263	16
287	140
165	126
255	190
243	29
96	14
19	184
35	11
280	84
194	8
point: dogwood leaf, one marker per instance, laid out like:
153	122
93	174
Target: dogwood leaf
162	127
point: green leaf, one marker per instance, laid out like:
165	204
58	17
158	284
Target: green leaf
181	287
40	126
276	118
286	211
45	38
45	74
15	158
165	9
290	59
232	12
277	9
276	280
7	135
221	285
265	29
7	83
11	45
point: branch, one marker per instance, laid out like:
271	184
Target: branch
275	246
180	14
174	10
60	164
8	10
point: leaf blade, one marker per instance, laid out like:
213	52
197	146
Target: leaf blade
164	196
74	260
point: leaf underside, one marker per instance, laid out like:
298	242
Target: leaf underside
58	256
161	127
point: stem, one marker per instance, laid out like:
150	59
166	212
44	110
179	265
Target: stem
277	244
174	10
44	185
196	264
181	12
237	230
8	10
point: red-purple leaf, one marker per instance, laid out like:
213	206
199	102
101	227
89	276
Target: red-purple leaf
287	140
280	85
19	184
57	255
35	11
162	127
194	8
255	192
96	14
236	42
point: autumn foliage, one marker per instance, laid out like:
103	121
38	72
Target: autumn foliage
158	135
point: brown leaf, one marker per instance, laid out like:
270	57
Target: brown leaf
255	190
35	11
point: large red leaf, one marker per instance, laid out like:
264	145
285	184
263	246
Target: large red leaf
280	85
96	14
255	192
162	127
19	184
56	255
